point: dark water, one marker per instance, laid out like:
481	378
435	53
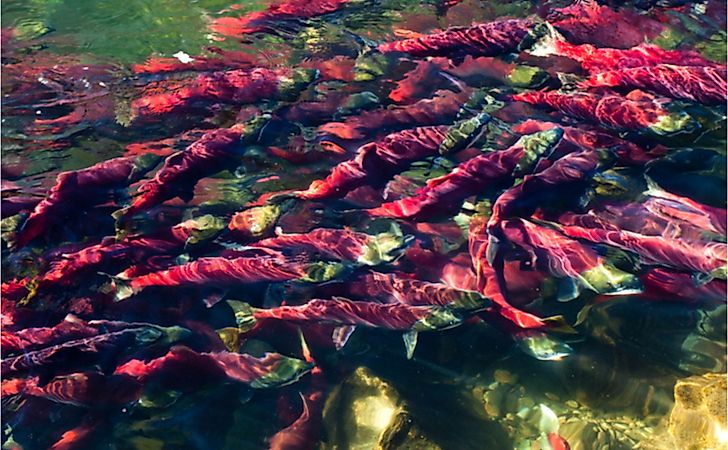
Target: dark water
606	378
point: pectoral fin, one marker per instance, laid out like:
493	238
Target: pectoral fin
410	342
341	335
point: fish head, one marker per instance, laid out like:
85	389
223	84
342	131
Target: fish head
290	86
359	101
147	335
322	271
143	164
370	66
612	183
173	334
527	77
282	371
385	247
535	146
674	123
257	221
470	301
439	318
253	127
463	133
606	279
203	228
542	346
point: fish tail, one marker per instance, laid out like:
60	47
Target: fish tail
244	315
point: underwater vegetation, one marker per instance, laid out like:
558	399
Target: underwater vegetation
356	224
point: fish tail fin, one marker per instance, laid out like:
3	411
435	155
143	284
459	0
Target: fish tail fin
244	315
541	40
121	287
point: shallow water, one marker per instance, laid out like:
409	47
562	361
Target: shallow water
605	379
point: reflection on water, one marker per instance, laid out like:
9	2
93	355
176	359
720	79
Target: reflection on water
567	290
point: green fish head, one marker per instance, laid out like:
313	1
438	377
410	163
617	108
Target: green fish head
283	371
611	183
608	280
252	128
322	271
370	66
674	123
203	228
543	347
463	132
299	79
143	164
148	335
470	301
527	77
385	247
257	221
535	146
438	319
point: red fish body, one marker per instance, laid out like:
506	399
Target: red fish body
705	257
88	350
578	139
392	316
438	110
682	208
489	284
570	168
446	194
223	271
271	370
563	256
377	162
663	283
602	59
92	389
182	170
396	288
284	10
487	39
68	270
238	87
344	245
80	189
613	111
705	85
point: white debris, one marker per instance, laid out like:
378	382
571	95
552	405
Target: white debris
183	57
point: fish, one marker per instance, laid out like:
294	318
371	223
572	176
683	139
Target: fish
182	170
85	389
376	162
216	271
708	258
344	245
104	346
706	85
445	194
440	109
255	222
562	256
237	86
79	190
587	21
347	315
661	283
486	39
272	370
224	59
614	111
285	10
576	139
519	200
545	41
665	203
397	288
72	267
